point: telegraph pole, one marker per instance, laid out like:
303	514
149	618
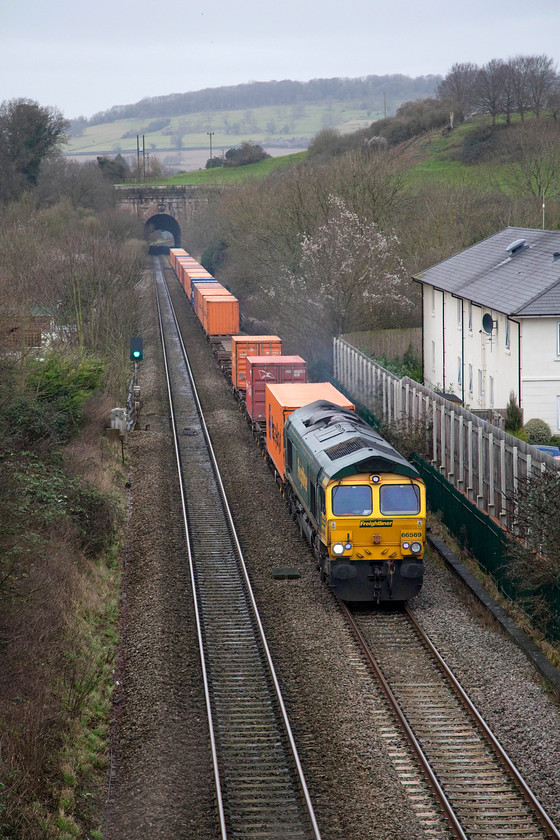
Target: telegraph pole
210	135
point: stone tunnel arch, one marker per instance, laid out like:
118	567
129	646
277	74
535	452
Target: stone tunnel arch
162	223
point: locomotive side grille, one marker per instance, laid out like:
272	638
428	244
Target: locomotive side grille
347	448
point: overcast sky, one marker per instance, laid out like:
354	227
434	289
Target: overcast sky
86	57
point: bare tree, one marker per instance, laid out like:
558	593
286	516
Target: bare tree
490	88
541	79
518	82
536	149
459	86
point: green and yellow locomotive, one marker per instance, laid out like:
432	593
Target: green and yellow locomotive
359	503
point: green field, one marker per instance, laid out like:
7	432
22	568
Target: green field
268	126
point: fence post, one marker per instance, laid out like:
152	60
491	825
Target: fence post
480	487
451	473
470	487
491	500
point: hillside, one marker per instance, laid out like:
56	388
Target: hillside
280	116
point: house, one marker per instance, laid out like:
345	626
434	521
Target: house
491	323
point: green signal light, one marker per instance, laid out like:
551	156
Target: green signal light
136	349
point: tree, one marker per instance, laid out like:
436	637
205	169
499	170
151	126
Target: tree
459	86
536	149
490	88
541	79
349	275
518	81
82	184
116	170
29	135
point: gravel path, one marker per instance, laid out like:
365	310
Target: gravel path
162	783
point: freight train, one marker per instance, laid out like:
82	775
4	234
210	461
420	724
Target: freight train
359	504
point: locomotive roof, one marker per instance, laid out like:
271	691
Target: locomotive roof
342	443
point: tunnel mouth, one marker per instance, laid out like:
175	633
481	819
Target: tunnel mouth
162	232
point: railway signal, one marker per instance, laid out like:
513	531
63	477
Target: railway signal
136	349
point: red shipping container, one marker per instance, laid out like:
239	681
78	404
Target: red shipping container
265	370
281	400
250	345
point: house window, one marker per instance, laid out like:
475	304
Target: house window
558	412
480	384
433	301
470	379
491	392
433	355
459	371
470	316
508	336
558	340
459	312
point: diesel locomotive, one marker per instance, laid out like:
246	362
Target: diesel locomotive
358	502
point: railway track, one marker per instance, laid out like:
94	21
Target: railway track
260	787
479	791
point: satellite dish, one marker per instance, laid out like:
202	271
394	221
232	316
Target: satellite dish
487	323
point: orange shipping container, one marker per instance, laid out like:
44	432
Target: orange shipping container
203	290
182	264
220	315
195	273
250	345
282	399
174	253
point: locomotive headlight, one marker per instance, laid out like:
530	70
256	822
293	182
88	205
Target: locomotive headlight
338	549
406	546
416	547
348	546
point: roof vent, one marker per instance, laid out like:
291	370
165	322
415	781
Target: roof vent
516	247
556	256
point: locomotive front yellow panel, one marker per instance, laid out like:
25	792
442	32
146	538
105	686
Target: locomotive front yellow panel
376	518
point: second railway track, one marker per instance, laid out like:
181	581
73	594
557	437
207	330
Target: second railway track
479	789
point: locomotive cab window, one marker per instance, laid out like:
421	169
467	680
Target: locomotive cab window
352	500
289	455
399	499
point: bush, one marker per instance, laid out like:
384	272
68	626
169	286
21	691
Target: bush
245	154
479	145
514	415
538	430
409	365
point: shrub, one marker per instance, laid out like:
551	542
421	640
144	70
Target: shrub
514	415
538	430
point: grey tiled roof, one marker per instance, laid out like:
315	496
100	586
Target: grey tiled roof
525	284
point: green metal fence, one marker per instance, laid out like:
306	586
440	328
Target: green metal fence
489	544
